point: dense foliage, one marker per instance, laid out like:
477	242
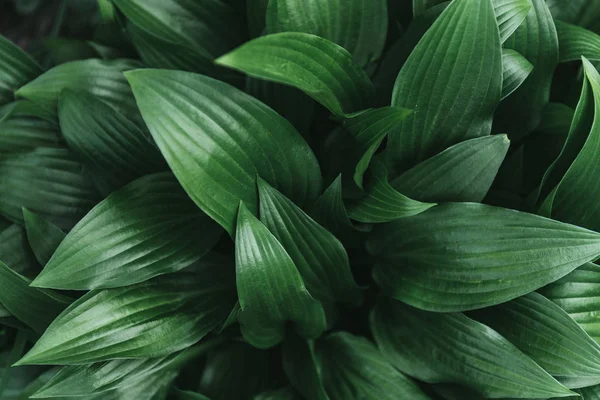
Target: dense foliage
304	199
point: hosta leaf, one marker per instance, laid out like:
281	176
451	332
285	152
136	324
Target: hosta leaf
35	307
438	348
420	6
286	393
575	42
590	393
579	295
299	363
359	26
354	369
16	252
216	139
112	147
18	134
369	129
515	69
536	40
61	50
318	67
104	79
546	333
16	69
450	175
510	14
465	256
62	194
256	11
150	319
148	228
270	288
578	12
43	236
188	395
319	257
450	104
25	108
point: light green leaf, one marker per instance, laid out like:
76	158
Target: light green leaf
575	42
270	288
510	14
35	307
547	334
451	348
216	139
515	70
450	104
150	319
19	134
43	236
148	228
16	252
319	257
16	69
359	26
61	195
450	175
354	369
299	364
318	67
464	256
112	147
369	128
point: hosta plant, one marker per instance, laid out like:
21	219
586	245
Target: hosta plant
304	199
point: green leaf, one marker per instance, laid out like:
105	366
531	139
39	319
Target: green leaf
450	104
464	256
61	195
103	79
16	69
359	26
43	236
216	139
270	288
515	70
369	129
256	11
578	12
19	134
61	50
112	147
318	67
319	257
299	363
420	6
446	348
35	307
510	14
354	369
536	40
150	319
148	228
286	393
188	395
575	42
578	294
16	252
450	175
25	108
547	334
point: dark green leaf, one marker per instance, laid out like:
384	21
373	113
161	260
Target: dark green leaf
590	393
150	319
188	395
61	50
318	67
438	348
575	42
515	69
216	139
148	228
270	288
450	175
354	369
16	69
578	12
256	11
465	256
43	236
286	393
25	108
359	26
16	252
301	368
18	134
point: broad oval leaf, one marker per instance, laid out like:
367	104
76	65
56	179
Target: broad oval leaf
318	67
300	366
515	70
216	139
464	256
575	42
451	348
16	252
359	26
450	104
579	12
148	228
19	134
150	319
270	288
112	147
450	175
16	69
62	194
510	14
43	236
320	258
354	369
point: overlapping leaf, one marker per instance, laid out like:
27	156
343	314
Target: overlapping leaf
16	69
575	42
515	70
19	134
16	252
43	236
